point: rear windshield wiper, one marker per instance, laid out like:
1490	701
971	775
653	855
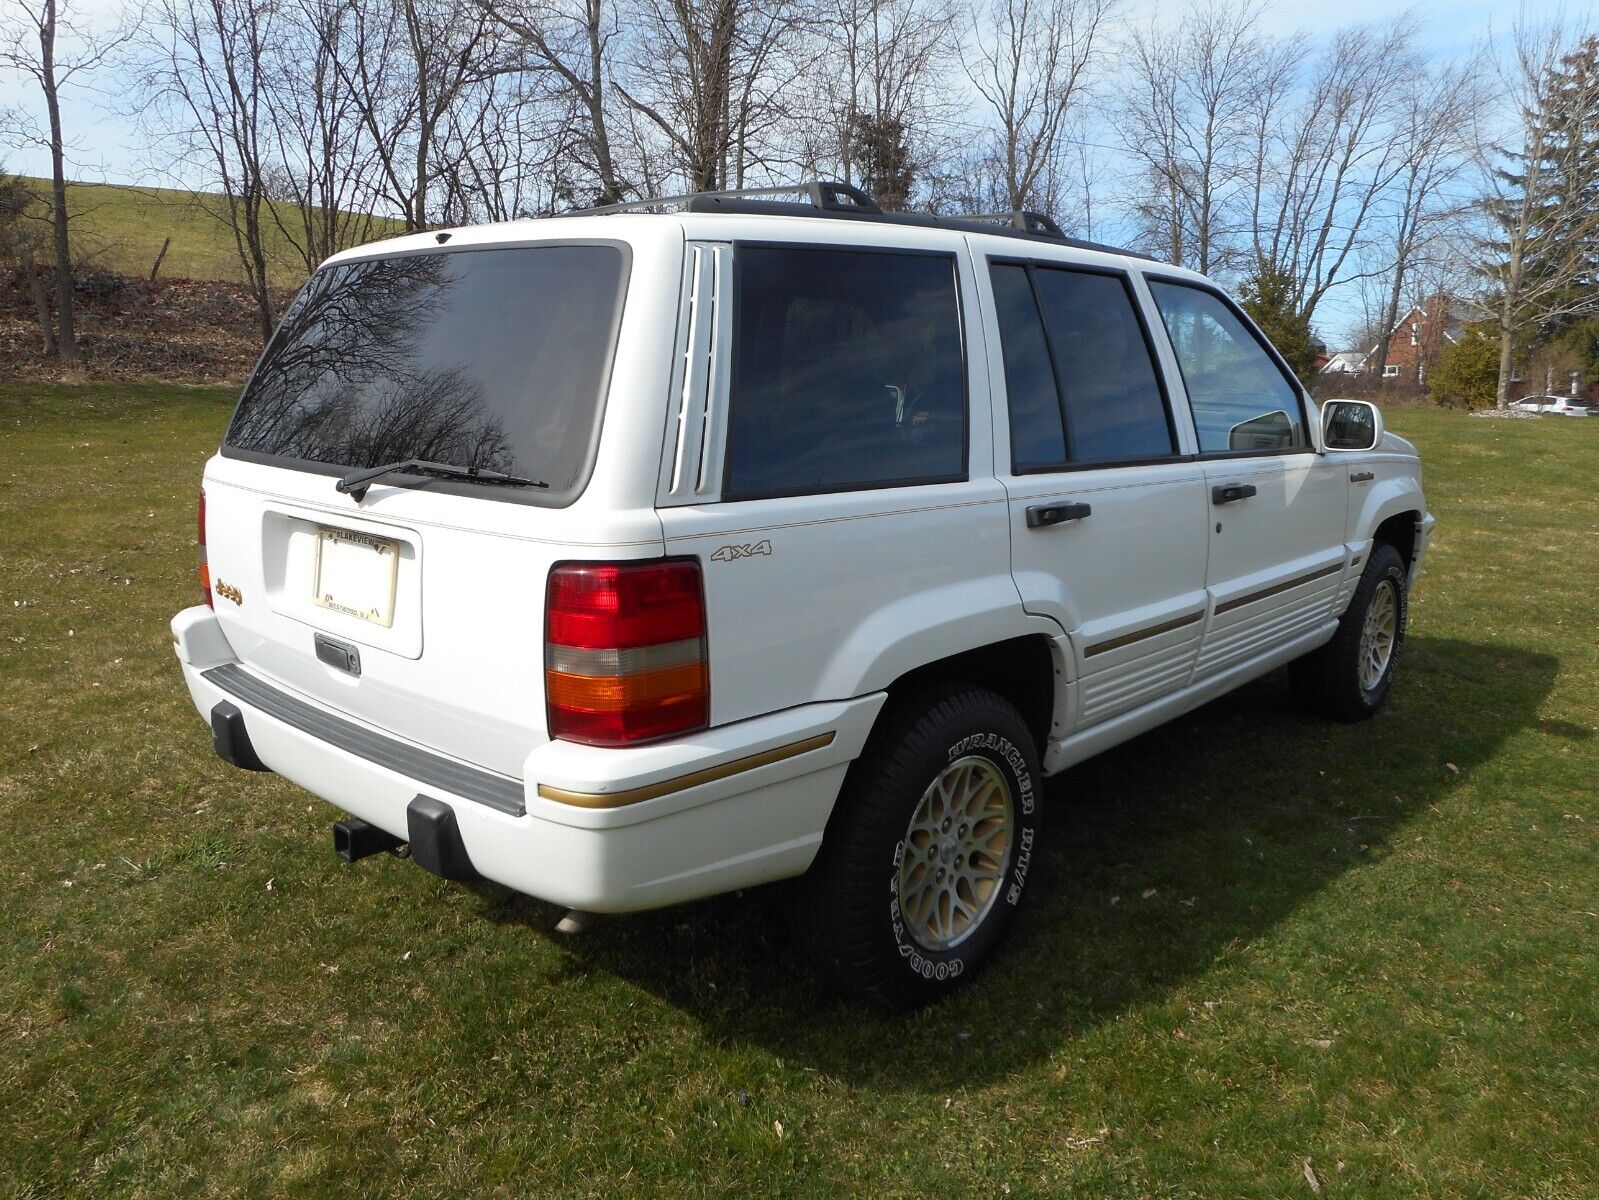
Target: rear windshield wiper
357	482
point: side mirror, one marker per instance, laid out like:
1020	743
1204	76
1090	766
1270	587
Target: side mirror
1350	425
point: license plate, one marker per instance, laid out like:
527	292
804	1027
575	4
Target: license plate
356	574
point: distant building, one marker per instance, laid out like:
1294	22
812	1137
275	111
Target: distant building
1418	338
1346	362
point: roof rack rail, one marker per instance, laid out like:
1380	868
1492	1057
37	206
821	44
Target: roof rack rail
825	194
1023	220
829	198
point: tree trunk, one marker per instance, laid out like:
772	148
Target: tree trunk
1390	318
1502	386
41	305
155	267
263	297
66	338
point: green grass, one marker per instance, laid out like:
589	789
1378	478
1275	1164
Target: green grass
1257	939
120	229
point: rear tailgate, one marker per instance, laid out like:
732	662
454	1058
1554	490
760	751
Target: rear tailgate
459	667
425	595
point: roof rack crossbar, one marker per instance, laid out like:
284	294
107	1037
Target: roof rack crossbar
1024	220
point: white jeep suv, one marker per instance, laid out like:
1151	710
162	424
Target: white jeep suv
635	556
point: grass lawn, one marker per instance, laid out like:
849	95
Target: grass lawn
120	228
1255	939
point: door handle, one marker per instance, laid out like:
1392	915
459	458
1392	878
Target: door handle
1039	515
1362	477
1226	493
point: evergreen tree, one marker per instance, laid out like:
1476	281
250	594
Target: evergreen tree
1567	244
1543	252
1268	298
886	169
1467	371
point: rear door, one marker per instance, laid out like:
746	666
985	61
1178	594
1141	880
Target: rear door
822	464
418	606
1277	507
1107	508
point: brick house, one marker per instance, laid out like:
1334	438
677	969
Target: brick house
1419	338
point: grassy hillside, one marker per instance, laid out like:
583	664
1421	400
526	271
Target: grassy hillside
120	229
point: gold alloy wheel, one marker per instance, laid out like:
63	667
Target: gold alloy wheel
957	847
1378	635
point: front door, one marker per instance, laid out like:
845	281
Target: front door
1276	507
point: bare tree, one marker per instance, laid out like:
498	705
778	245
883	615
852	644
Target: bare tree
410	65
206	79
43	40
1187	112
515	134
1029	61
1321	168
880	113
1542	200
571	40
705	76
322	175
1433	127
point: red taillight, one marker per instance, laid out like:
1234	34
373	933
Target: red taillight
205	566
624	651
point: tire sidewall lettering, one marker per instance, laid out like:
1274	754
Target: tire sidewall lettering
936	967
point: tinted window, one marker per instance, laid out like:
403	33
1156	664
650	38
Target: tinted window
486	358
847	371
1114	406
1240	398
1036	437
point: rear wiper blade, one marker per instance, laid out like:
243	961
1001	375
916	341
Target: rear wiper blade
356	482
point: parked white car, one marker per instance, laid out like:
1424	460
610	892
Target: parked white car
1559	406
631	557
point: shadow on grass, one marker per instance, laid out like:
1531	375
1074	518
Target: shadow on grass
1161	857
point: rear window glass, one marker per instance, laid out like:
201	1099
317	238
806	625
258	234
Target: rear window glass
1095	354
480	358
848	372
1115	409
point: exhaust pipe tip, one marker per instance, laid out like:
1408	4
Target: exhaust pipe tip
355	839
576	922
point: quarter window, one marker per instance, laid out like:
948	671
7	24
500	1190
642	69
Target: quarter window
848	371
1080	381
1240	397
1037	437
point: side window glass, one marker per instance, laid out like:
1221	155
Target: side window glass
1036	436
1115	407
1240	399
848	371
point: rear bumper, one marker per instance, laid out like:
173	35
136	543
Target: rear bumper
601	830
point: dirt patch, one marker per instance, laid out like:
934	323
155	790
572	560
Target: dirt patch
188	330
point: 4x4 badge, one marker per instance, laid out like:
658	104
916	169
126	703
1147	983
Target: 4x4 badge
730	553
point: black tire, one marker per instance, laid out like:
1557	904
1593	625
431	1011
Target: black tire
1328	681
847	911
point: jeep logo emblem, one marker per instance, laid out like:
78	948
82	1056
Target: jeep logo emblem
733	553
228	592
